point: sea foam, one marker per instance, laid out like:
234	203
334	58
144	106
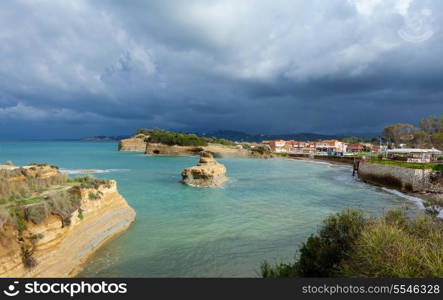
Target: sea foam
91	171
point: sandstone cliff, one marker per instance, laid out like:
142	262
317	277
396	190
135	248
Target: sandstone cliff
208	172
54	235
136	143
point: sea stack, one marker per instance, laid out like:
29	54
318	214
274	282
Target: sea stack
208	172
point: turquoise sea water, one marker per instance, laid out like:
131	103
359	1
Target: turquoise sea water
264	212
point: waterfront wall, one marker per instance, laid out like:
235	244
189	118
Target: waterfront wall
340	159
406	179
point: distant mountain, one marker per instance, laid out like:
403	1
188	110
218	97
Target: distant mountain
102	138
230	135
244	137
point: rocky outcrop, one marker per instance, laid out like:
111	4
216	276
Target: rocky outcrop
32	171
216	150
41	240
136	143
208	172
139	143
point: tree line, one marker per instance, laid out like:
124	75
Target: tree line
429	134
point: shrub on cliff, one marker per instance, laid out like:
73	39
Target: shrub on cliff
322	252
351	245
214	140
89	182
24	188
404	248
172	138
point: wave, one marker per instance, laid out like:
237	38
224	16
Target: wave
91	171
329	164
416	200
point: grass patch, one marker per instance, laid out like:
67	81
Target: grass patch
93	196
89	182
30	201
281	154
436	167
350	244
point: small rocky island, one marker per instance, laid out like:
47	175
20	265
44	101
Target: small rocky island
208	172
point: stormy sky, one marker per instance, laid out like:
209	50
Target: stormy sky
82	68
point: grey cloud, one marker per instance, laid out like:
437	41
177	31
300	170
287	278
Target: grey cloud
258	66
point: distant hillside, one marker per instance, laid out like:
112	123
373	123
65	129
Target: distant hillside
244	137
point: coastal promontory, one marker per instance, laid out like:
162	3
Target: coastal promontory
155	142
50	224
208	172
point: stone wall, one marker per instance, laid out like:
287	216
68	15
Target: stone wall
407	179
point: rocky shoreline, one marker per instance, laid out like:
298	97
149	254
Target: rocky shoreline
430	195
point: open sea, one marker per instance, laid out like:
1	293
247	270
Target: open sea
265	211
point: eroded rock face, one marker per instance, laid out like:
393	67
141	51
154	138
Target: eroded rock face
136	143
208	172
54	236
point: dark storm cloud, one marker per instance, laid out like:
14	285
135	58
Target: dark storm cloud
106	67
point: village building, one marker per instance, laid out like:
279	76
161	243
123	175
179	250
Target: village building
414	155
326	147
330	147
278	146
356	148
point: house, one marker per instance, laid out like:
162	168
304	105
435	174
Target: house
278	146
356	148
330	147
414	155
326	147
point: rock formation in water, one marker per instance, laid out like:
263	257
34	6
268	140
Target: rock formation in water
50	225
208	172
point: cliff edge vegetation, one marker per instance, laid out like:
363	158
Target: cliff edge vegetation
160	142
350	244
50	224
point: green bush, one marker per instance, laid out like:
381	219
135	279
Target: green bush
36	213
282	154
173	138
406	248
93	196
436	167
278	270
214	140
89	182
321	253
351	245
262	149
